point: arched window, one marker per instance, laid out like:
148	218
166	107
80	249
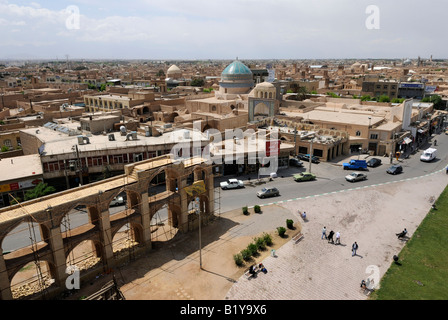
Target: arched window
213	108
358	133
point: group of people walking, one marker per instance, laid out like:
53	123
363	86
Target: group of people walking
337	235
331	235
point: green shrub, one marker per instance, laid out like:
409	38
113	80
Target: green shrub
260	243
238	258
252	247
267	239
289	223
257	208
245	211
281	231
246	254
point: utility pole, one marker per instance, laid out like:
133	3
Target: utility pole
311	153
78	164
66	175
295	141
197	204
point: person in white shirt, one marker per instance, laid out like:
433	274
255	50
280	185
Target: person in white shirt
338	238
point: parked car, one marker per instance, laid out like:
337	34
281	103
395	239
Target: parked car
356	176
306	157
374	162
268	192
232	184
355	165
395	169
117	201
295	162
304	176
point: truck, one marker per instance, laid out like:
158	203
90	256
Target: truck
428	155
355	165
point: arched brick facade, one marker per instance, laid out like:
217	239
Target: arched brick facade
48	212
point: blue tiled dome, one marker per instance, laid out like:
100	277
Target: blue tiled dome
236	71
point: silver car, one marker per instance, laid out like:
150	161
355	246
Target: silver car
356	176
268	192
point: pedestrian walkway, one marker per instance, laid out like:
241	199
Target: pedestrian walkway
314	269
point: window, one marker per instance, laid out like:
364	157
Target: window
358	133
7	143
53	166
117	159
318	153
98	161
374	136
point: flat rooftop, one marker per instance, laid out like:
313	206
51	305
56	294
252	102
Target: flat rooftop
20	167
57	143
342	117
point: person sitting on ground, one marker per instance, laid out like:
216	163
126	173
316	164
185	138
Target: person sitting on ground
402	233
363	284
262	268
252	270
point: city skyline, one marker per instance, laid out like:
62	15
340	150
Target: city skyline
196	30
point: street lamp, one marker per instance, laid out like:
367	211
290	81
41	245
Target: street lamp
311	135
311	153
78	163
197	210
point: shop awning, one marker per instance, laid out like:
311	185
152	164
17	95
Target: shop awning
407	140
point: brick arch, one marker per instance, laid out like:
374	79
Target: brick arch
51	269
97	248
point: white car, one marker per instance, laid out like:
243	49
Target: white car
356	176
232	184
117	201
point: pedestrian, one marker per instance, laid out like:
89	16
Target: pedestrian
330	236
338	238
324	233
354	248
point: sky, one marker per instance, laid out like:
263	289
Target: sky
223	29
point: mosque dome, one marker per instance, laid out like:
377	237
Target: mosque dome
173	72
265	85
236	71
